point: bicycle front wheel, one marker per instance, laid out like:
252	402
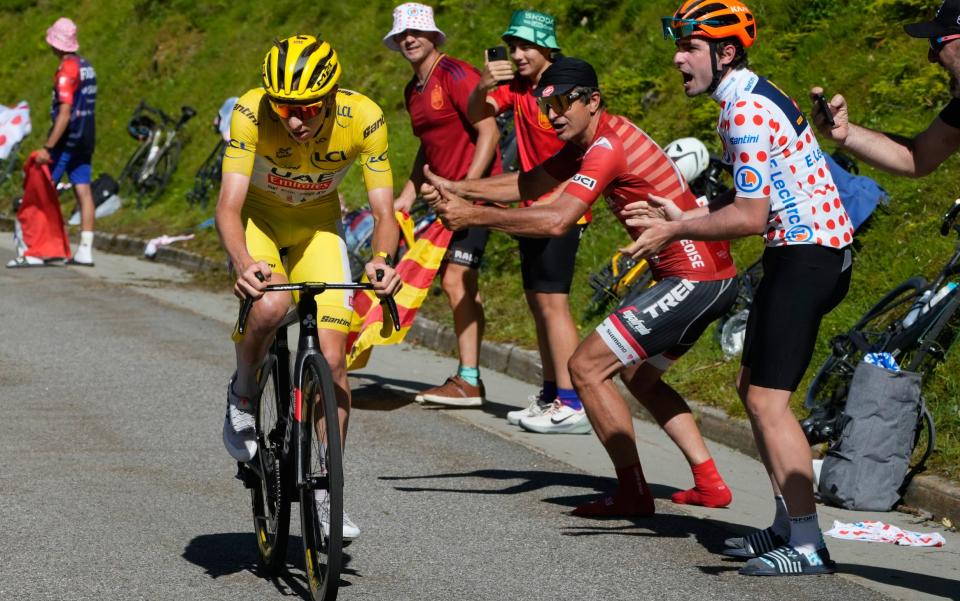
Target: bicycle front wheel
321	465
272	495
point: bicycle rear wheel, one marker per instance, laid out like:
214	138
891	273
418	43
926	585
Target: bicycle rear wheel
879	330
321	465
271	496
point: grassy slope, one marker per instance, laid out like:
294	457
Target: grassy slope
200	52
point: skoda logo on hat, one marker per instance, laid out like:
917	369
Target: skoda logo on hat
547	91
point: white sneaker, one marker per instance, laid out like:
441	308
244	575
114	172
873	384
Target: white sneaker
558	419
537	407
239	427
350	530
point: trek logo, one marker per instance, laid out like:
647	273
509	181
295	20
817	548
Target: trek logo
339	322
372	128
745	139
635	322
246	112
283	153
587	182
670	300
748	179
302	182
799	233
380	163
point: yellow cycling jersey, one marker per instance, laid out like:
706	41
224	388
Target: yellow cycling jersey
284	172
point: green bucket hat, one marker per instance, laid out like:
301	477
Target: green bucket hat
534	27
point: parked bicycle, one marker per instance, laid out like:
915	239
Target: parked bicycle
299	445
915	323
149	169
208	175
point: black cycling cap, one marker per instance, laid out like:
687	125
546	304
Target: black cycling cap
564	75
947	22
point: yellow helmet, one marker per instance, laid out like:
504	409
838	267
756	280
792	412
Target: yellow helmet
300	70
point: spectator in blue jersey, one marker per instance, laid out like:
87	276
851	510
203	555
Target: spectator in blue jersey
69	145
918	155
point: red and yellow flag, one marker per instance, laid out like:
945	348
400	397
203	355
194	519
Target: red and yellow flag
417	269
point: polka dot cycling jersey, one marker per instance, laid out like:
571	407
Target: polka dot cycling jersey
774	154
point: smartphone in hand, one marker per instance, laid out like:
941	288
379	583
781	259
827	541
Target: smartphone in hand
497	53
825	109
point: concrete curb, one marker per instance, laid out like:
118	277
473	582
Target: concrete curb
930	494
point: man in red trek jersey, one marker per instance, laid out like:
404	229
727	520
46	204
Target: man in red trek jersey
459	148
607	154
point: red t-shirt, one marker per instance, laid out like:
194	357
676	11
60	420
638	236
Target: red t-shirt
438	112
625	165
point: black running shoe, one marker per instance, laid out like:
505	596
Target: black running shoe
754	544
787	561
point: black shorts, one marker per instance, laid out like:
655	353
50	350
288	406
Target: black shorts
663	322
546	264
800	285
466	247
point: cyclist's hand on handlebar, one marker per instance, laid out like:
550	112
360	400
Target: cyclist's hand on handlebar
252	280
841	116
387	285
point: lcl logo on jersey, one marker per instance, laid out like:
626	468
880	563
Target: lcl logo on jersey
748	179
323	160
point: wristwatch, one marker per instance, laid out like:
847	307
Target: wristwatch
387	258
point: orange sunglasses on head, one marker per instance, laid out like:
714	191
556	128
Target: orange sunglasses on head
303	112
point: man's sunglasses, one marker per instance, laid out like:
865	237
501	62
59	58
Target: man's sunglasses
937	44
303	112
675	29
560	103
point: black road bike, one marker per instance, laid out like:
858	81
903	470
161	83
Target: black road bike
916	323
299	450
149	169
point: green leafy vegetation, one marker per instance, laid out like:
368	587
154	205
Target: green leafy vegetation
199	52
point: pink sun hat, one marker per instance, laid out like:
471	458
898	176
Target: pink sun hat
62	35
412	15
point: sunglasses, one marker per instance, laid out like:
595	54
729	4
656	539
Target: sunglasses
675	29
937	44
561	103
303	112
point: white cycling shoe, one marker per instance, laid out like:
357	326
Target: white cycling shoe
239	427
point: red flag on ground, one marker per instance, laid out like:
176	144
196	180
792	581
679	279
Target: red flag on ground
39	215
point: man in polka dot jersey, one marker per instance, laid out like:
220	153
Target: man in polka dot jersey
784	192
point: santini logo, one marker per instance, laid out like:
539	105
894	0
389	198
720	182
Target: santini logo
745	139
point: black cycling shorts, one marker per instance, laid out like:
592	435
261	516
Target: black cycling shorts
663	322
546	264
466	247
800	285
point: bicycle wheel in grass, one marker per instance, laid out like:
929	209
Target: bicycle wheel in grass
321	465
163	170
879	330
130	176
272	495
937	340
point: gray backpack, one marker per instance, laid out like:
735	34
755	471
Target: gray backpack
869	467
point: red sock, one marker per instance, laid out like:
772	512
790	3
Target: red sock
709	489
632	499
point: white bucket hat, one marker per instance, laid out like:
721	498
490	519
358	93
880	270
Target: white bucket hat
412	15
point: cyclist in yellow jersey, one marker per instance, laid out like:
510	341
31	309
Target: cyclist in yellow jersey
291	143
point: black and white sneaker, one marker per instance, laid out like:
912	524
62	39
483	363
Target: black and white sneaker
787	561
754	544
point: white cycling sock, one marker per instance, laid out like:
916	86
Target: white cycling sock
781	519
805	534
84	252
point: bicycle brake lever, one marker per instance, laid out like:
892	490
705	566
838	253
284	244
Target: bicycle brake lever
245	309
949	218
389	302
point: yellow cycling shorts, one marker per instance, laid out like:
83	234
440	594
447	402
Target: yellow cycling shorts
316	251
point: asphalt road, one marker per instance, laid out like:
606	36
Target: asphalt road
115	484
